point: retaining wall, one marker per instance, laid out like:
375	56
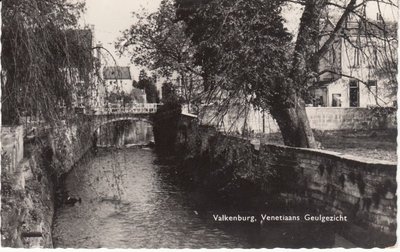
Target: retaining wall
321	118
28	188
362	189
332	118
12	146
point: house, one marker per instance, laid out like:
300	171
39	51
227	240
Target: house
358	70
118	79
80	56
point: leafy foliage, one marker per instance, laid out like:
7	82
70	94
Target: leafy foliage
170	95
149	87
42	53
158	42
241	45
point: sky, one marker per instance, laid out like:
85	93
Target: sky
110	17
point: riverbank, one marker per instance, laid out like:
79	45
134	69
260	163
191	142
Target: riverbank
318	180
28	186
136	198
27	204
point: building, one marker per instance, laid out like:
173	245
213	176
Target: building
79	43
118	79
358	70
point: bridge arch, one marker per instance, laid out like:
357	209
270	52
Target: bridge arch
123	118
98	133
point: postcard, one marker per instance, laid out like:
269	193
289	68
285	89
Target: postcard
199	124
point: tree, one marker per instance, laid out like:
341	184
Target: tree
244	49
134	83
157	41
166	119
149	87
143	75
41	52
169	94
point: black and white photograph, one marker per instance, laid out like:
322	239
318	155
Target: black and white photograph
188	124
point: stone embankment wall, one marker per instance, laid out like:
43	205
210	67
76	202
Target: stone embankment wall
321	118
12	146
333	118
362	189
28	187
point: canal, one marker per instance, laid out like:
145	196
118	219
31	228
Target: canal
130	201
132	198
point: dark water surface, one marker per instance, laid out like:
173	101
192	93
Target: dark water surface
131	200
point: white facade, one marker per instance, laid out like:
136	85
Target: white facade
120	85
357	83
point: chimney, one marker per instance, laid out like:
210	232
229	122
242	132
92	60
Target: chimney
99	45
91	28
98	56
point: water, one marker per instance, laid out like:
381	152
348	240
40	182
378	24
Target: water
128	201
131	200
125	132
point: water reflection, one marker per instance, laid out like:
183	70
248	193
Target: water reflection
128	202
125	133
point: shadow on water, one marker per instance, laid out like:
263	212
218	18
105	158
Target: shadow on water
136	198
125	133
247	201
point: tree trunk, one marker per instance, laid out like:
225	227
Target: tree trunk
293	123
289	111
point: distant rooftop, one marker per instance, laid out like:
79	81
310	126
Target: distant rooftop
355	26
117	72
372	28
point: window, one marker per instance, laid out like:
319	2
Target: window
336	100
354	94
372	86
353	83
356	57
371	83
375	57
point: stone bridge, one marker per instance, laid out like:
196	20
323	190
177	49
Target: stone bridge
140	112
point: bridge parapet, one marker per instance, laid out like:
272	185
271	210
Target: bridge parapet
140	108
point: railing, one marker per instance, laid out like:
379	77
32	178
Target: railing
34	125
140	108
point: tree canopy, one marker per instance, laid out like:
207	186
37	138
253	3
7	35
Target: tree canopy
158	42
148	85
241	45
243	54
244	49
42	50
